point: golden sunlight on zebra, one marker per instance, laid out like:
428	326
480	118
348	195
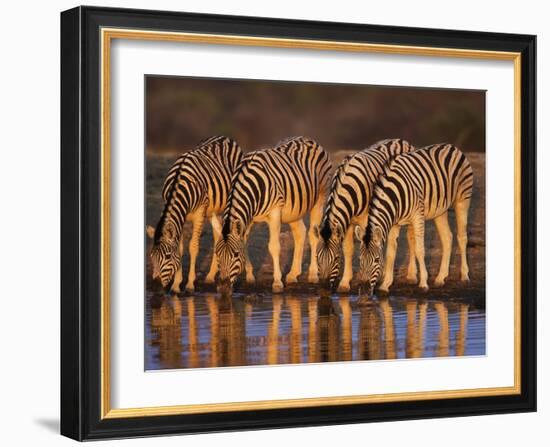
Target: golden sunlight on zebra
416	187
376	191
276	185
348	205
195	189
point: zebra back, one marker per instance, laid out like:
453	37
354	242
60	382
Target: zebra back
297	170
433	178
196	176
218	148
353	182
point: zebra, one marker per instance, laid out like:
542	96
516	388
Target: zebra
276	185
348	205
416	187
196	188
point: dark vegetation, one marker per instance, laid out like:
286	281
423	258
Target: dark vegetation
182	111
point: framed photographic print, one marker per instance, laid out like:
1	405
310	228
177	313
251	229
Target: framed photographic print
233	192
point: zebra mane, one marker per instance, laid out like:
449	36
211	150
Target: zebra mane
248	158
169	190
373	221
207	142
172	174
374	211
368	234
288	140
326	230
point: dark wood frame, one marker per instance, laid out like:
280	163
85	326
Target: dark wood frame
81	219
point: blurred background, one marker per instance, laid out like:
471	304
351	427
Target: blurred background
180	112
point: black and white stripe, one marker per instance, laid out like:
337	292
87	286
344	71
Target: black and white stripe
276	185
196	187
416	187
348	205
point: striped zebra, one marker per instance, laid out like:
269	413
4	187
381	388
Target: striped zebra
348	205
277	185
196	188
416	187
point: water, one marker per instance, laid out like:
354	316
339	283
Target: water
206	331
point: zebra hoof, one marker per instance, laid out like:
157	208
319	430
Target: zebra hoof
277	288
424	289
209	280
291	279
439	282
343	289
313	279
190	289
411	279
465	279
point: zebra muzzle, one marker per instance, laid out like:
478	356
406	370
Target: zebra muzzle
156	284
365	291
224	287
325	287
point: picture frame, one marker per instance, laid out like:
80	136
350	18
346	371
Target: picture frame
86	132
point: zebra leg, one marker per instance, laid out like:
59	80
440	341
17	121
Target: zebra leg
248	265
461	212
344	285
216	231
178	277
418	226
446	238
194	250
411	270
274	246
391	249
315	216
298	229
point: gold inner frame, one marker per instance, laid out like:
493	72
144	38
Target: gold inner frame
107	35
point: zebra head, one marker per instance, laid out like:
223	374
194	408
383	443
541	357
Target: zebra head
165	255
329	254
230	251
370	257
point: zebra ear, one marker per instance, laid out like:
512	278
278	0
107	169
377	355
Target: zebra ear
150	231
237	227
170	232
316	231
377	236
217	230
359	233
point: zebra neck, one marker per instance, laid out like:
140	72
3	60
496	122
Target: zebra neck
247	200
228	223
169	219
334	226
382	220
338	219
178	206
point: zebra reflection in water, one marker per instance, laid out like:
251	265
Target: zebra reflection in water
209	331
